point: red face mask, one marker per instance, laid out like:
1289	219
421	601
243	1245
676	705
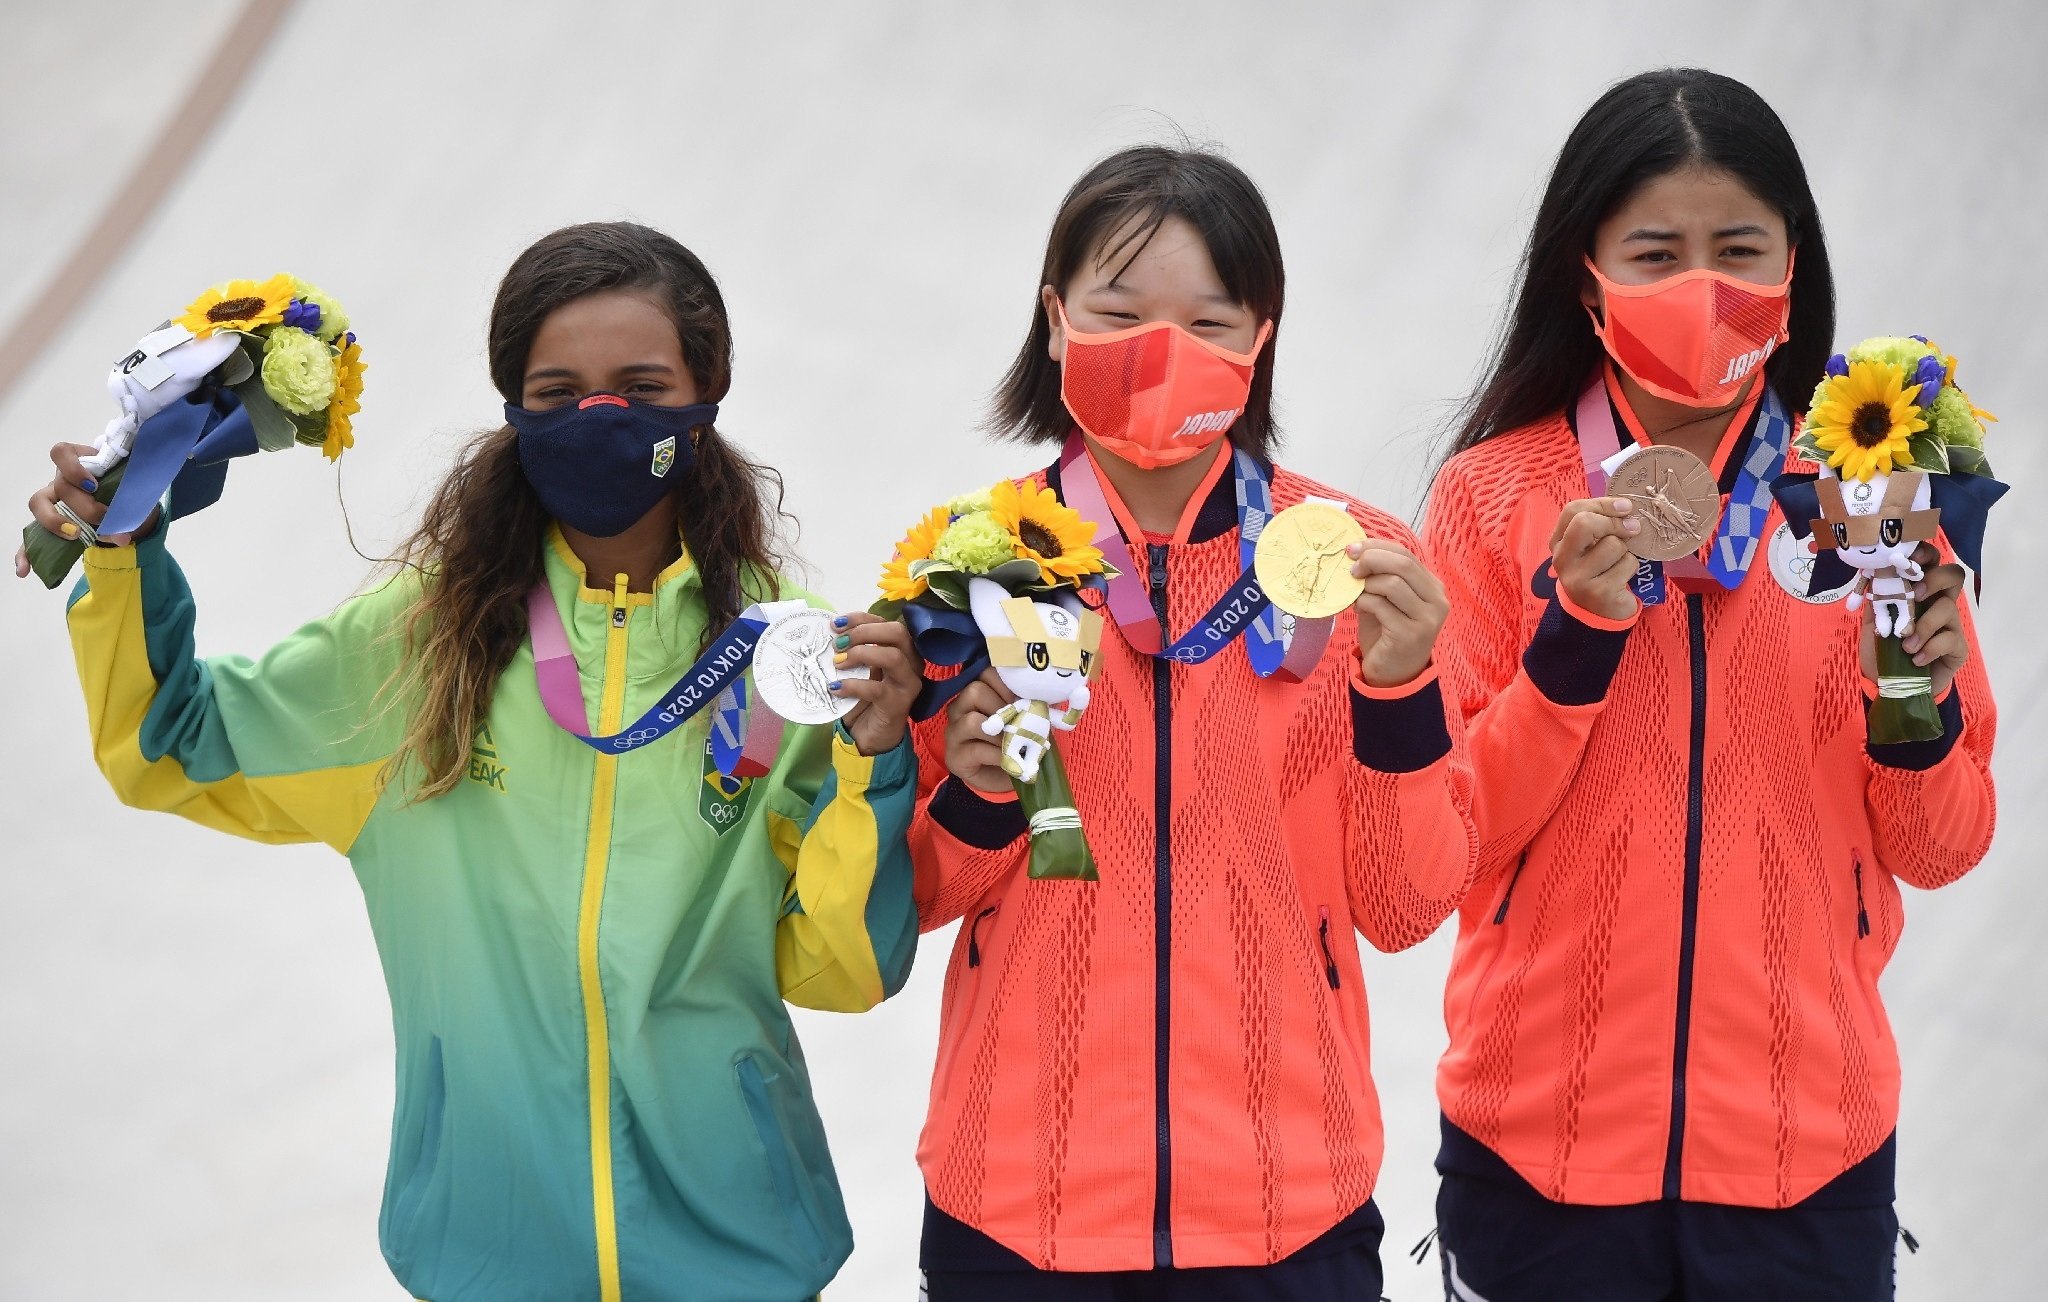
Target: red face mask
1154	394
1694	338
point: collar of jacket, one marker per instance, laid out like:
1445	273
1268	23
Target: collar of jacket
566	575
1217	517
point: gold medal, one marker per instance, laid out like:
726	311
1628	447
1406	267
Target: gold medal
1301	564
1676	501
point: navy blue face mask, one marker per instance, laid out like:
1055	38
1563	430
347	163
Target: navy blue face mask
603	462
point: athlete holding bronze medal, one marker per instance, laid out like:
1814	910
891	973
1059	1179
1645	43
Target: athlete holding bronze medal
1266	767
1669	1073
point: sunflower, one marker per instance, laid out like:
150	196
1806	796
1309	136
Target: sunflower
1864	420
240	305
348	388
897	584
1045	530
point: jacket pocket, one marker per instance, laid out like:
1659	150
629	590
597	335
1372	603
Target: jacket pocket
783	1162
1329	959
1867	961
1494	937
431	1092
1507	895
974	934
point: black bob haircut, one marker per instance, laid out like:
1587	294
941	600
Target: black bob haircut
1116	207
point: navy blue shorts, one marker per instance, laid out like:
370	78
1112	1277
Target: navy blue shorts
1502	1241
961	1264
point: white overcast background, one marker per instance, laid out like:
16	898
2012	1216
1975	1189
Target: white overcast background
195	1054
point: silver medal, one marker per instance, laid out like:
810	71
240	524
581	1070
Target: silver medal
793	669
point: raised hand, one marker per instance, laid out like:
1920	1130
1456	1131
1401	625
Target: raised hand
1589	551
1400	612
883	648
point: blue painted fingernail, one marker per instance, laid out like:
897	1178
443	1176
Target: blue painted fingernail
835	684
839	622
91	485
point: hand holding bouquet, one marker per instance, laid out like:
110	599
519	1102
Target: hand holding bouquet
994	580
1901	454
247	367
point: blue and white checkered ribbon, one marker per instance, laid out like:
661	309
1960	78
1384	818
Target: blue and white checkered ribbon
1749	505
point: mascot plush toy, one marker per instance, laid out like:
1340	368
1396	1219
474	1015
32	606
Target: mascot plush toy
1045	652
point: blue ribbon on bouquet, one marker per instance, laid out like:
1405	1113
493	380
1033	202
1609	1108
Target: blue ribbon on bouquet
183	450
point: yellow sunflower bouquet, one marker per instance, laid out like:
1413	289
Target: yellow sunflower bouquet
1892	403
1900	448
249	366
993	581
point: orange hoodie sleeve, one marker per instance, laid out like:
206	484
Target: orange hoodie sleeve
1410	851
1528	704
963	843
1932	805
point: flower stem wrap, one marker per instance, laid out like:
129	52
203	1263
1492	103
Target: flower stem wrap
1904	709
1058	847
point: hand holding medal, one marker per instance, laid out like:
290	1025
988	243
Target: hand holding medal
1591	555
1313	560
859	669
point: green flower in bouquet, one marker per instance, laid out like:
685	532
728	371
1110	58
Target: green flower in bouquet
975	544
298	371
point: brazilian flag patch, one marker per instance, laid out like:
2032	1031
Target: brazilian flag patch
721	801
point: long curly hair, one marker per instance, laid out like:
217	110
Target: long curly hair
478	548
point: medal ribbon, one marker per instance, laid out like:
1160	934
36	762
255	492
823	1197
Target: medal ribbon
717	676
1736	537
1275	642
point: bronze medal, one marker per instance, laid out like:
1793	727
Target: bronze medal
1676	500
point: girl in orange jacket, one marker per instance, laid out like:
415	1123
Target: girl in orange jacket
1670	1073
1167	1068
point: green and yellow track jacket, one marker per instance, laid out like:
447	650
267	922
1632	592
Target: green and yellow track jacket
599	1092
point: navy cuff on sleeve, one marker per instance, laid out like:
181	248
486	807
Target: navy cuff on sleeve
1917	756
983	824
1572	663
1400	734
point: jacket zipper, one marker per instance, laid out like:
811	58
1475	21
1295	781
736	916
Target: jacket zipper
1862	914
596	1026
1500	915
1695	823
1329	959
974	935
1162	923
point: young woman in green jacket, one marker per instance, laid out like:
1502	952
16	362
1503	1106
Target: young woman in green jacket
599	1093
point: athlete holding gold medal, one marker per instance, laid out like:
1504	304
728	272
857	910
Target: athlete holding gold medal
1166	1068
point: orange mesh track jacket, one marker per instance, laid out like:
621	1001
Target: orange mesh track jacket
1665	985
1170	1066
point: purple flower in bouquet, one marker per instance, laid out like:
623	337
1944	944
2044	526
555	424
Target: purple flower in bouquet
303	315
1929	375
